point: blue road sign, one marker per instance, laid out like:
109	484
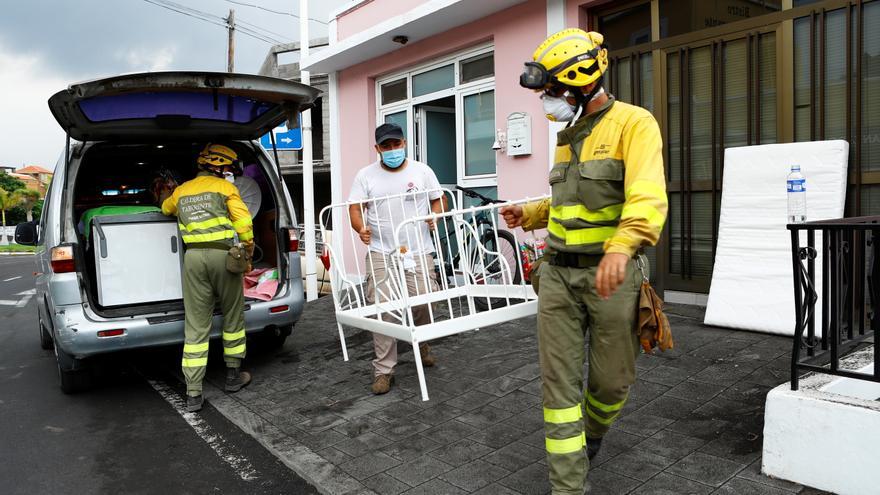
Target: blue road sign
285	139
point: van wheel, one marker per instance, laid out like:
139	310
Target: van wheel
274	337
45	338
74	377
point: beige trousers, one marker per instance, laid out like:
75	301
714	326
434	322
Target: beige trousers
384	281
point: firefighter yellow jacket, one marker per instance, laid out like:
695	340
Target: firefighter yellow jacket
209	211
608	184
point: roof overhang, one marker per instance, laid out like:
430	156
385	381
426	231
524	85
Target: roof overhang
430	19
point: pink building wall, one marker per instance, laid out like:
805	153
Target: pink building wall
515	34
371	13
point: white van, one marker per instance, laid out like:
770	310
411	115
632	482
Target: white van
108	264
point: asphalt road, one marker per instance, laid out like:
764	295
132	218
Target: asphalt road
122	436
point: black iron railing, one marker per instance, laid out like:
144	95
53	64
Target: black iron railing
850	291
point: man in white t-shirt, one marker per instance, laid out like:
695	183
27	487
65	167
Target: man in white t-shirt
375	220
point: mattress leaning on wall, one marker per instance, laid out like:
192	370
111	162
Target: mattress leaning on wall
752	286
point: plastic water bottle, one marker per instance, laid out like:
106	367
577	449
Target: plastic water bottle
797	196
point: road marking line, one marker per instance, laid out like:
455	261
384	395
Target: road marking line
13	278
23	301
240	464
7	302
27	292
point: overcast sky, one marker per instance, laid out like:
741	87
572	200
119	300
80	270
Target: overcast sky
47	44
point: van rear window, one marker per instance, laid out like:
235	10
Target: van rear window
202	106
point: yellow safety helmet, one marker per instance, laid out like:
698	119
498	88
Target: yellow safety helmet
217	155
572	57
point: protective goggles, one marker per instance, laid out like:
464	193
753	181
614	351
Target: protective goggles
535	76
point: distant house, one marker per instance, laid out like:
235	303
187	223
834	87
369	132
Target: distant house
34	177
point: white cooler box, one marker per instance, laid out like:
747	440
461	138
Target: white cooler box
138	259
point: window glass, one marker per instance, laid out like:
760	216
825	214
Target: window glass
768	87
835	75
623	71
394	91
439	148
700	109
673	222
685	16
802	99
627	27
736	84
479	133
202	106
870	138
434	80
646	84
398	118
478	67
673	116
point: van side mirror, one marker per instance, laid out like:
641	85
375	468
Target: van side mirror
26	234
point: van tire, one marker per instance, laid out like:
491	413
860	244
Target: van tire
274	337
73	376
45	339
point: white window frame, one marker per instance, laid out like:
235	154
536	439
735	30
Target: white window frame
459	91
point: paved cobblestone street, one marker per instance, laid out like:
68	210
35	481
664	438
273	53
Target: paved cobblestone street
693	422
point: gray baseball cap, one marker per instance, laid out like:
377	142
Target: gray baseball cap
388	131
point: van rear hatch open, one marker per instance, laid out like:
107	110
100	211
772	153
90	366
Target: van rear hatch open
179	106
165	114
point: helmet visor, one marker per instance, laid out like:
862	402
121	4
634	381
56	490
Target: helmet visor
534	76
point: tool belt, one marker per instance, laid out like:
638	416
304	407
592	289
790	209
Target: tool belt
573	260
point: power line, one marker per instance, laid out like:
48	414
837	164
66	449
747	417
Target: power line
254	34
272	11
254	31
191	10
157	3
281	36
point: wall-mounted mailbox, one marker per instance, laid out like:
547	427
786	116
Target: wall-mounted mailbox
519	134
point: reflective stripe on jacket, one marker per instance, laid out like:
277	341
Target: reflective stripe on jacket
608	184
209	209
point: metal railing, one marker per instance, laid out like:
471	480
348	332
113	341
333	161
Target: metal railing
836	290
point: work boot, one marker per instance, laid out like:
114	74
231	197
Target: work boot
382	384
428	359
593	446
194	404
236	379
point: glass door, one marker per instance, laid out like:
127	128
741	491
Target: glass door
436	144
720	93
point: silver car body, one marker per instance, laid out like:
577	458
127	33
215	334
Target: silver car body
65	310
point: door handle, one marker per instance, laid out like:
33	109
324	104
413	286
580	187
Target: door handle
174	244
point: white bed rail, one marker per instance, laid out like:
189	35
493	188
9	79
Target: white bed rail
439	274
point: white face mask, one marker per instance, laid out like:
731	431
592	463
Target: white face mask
229	176
558	109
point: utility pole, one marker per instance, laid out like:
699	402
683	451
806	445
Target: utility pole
308	176
230	51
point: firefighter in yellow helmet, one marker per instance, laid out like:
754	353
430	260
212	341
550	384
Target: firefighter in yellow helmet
608	200
210	215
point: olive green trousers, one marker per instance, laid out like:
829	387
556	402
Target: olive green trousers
206	281
568	305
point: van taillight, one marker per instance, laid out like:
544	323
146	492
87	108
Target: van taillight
293	241
62	259
111	333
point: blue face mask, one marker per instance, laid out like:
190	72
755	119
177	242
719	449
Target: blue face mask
394	158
